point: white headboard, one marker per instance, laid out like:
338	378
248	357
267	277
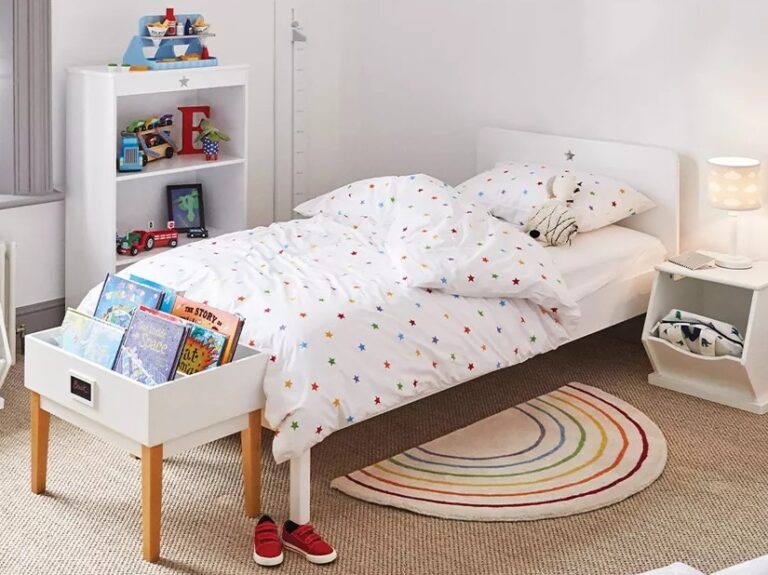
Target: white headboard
652	171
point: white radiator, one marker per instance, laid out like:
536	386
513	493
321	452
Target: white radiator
7	309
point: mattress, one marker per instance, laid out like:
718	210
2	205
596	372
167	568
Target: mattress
610	254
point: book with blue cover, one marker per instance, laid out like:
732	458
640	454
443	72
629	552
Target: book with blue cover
152	346
91	338
169	294
120	297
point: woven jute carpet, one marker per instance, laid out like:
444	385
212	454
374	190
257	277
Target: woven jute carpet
708	508
569	451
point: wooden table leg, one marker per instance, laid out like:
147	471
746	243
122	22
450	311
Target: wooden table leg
151	497
40	424
250	440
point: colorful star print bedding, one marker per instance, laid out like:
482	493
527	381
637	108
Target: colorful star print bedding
348	338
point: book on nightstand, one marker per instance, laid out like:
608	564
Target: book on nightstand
91	338
152	346
229	324
120	297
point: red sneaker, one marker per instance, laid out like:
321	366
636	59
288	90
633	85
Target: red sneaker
303	540
267	548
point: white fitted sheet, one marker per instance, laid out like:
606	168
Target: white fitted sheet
613	253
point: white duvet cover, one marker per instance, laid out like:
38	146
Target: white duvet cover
346	337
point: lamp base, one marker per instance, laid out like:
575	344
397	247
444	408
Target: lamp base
733	262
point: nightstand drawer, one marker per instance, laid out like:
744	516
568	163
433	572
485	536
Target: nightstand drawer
145	415
677	363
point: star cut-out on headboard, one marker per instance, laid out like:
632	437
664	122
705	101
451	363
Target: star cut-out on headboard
569	155
184	81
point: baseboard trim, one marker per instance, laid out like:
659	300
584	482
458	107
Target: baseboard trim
37	317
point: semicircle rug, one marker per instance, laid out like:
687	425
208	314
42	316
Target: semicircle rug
569	451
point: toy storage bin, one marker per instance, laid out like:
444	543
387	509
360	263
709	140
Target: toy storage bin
183	413
150	422
733	381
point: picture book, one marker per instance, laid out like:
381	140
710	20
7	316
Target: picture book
203	350
226	323
169	294
152	346
120	297
91	338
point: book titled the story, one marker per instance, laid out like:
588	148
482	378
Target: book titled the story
229	324
120	297
152	346
169	294
203	349
91	338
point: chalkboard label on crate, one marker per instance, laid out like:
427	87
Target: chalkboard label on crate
81	390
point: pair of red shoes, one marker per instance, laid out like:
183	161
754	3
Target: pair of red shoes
301	539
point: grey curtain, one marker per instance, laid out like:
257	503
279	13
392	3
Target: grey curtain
31	97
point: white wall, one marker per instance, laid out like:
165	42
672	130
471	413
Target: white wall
416	79
39	234
245	34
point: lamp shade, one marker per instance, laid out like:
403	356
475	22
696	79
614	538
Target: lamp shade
734	184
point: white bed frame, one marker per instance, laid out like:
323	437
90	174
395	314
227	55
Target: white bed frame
653	171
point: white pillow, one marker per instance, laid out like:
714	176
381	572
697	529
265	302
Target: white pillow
602	201
372	199
514	191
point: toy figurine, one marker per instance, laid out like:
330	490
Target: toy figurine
211	137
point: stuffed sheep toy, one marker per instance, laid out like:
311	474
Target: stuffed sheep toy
554	223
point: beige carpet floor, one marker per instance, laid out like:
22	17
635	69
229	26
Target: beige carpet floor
709	508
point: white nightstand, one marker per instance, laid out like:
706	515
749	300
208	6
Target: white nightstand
738	297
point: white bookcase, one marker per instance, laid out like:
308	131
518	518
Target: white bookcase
102	202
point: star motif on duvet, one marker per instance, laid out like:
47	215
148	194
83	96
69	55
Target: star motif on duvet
336	368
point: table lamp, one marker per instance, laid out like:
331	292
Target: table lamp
734	185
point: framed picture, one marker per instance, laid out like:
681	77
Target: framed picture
185	206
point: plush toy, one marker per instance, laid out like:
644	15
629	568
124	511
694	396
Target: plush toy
554	223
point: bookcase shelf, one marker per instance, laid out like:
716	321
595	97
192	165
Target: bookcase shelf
179	165
102	203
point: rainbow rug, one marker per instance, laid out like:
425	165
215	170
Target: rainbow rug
573	450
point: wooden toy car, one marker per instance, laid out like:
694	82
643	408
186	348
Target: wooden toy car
135	127
145	240
145	141
197	233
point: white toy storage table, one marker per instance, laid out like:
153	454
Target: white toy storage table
150	422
